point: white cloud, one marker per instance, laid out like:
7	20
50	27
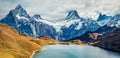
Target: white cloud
53	9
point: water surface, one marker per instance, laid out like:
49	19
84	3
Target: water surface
74	51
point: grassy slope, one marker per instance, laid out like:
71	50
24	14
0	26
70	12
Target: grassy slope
45	40
13	45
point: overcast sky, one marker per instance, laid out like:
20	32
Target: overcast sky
53	9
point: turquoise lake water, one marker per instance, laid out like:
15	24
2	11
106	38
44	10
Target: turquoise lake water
74	51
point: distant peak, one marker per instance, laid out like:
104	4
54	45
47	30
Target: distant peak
72	11
37	16
73	14
19	10
18	7
102	17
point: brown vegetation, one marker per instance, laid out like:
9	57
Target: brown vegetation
79	42
13	45
44	40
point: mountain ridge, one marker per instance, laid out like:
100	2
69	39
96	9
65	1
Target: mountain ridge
69	27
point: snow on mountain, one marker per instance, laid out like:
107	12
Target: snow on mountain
103	19
72	15
37	16
58	24
108	20
118	24
115	21
64	29
21	17
37	26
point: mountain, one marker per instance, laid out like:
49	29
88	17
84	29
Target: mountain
64	29
115	21
41	28
99	34
37	16
111	42
102	17
72	25
79	28
109	20
107	25
105	31
72	15
19	19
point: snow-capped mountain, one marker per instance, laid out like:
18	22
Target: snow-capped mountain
77	27
64	29
23	23
41	27
109	20
19	19
72	15
37	16
115	21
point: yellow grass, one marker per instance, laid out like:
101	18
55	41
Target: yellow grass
13	45
79	42
44	40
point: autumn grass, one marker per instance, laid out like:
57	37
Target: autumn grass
46	40
14	45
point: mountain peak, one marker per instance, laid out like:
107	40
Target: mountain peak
37	16
73	14
102	17
18	7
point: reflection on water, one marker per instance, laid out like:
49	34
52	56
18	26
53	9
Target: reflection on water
74	51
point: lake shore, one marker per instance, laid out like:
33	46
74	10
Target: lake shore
74	51
76	42
34	53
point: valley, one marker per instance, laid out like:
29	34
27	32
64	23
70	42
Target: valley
25	36
17	45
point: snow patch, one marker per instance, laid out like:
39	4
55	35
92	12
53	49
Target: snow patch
70	22
21	17
33	29
79	26
118	24
103	22
58	24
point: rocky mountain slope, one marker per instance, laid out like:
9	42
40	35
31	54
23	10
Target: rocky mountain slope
99	34
62	29
111	42
36	26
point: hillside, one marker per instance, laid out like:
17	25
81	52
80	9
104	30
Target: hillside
111	42
13	45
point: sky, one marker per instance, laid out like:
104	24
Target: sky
55	9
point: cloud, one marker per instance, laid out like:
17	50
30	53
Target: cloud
54	9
